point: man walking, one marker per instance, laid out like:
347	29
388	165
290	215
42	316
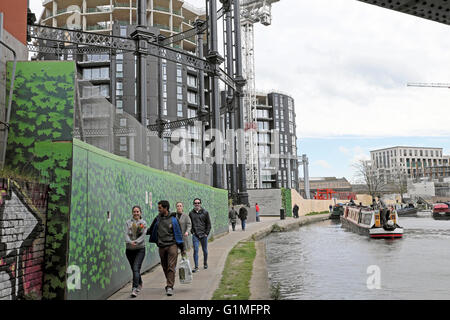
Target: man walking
295	210
243	216
185	224
201	226
165	231
232	216
257	212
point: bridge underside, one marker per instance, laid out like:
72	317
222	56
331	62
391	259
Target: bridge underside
435	10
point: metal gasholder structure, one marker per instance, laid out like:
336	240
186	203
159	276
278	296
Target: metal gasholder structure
144	43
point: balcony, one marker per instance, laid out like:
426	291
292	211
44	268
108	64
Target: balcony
163	9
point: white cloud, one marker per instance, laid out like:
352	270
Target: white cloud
344	150
322	163
347	67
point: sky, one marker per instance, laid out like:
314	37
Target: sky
346	65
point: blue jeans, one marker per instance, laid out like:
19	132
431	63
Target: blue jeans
135	258
243	224
204	243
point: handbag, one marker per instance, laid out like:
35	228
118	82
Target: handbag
185	271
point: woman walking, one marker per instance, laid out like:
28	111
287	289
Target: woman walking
135	231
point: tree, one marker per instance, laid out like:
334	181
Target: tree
368	176
399	180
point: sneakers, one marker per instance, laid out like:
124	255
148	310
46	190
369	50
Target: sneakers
138	289
169	291
195	270
134	293
205	266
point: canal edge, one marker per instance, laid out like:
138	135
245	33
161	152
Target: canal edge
260	286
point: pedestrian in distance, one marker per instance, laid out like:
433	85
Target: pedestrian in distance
201	226
135	231
232	214
295	210
257	212
243	216
185	224
330	207
165	231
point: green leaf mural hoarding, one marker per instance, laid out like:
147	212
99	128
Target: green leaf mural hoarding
40	147
91	191
104	189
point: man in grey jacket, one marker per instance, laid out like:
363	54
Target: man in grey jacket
185	224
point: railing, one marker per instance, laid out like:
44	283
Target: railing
158	8
98	10
161	26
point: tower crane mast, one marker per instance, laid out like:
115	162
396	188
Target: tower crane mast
252	11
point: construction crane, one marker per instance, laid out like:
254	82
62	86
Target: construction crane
432	85
252	11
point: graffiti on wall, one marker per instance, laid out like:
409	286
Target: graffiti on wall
22	218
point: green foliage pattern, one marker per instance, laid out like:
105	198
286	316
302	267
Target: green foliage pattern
286	201
39	147
103	182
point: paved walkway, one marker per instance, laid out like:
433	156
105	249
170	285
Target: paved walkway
205	282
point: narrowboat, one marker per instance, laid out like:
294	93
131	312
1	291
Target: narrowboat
338	211
441	211
375	223
409	211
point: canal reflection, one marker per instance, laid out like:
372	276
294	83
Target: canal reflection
325	261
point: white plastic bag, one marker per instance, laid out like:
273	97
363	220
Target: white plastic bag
185	271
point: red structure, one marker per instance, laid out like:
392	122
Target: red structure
327	194
324	194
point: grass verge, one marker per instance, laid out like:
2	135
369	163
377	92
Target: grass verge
236	275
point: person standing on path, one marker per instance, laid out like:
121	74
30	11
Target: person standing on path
135	231
185	224
295	210
201	226
243	216
232	214
330	207
165	231
257	212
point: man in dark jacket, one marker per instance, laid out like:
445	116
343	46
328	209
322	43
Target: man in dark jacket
165	231
295	211
232	214
243	216
201	226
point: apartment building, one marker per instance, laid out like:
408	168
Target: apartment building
275	111
108	87
414	162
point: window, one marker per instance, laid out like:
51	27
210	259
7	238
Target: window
123	122
119	89
192	97
164	71
119	104
119	70
179	74
164	90
164	107
180	93
263	125
123	31
179	109
191	81
191	113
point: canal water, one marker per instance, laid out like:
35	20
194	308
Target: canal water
325	261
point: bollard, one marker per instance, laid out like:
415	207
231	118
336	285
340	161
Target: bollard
282	214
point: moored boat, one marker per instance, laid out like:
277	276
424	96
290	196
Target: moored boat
441	211
337	212
375	223
407	212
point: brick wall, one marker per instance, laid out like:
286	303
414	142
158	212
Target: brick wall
22	239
